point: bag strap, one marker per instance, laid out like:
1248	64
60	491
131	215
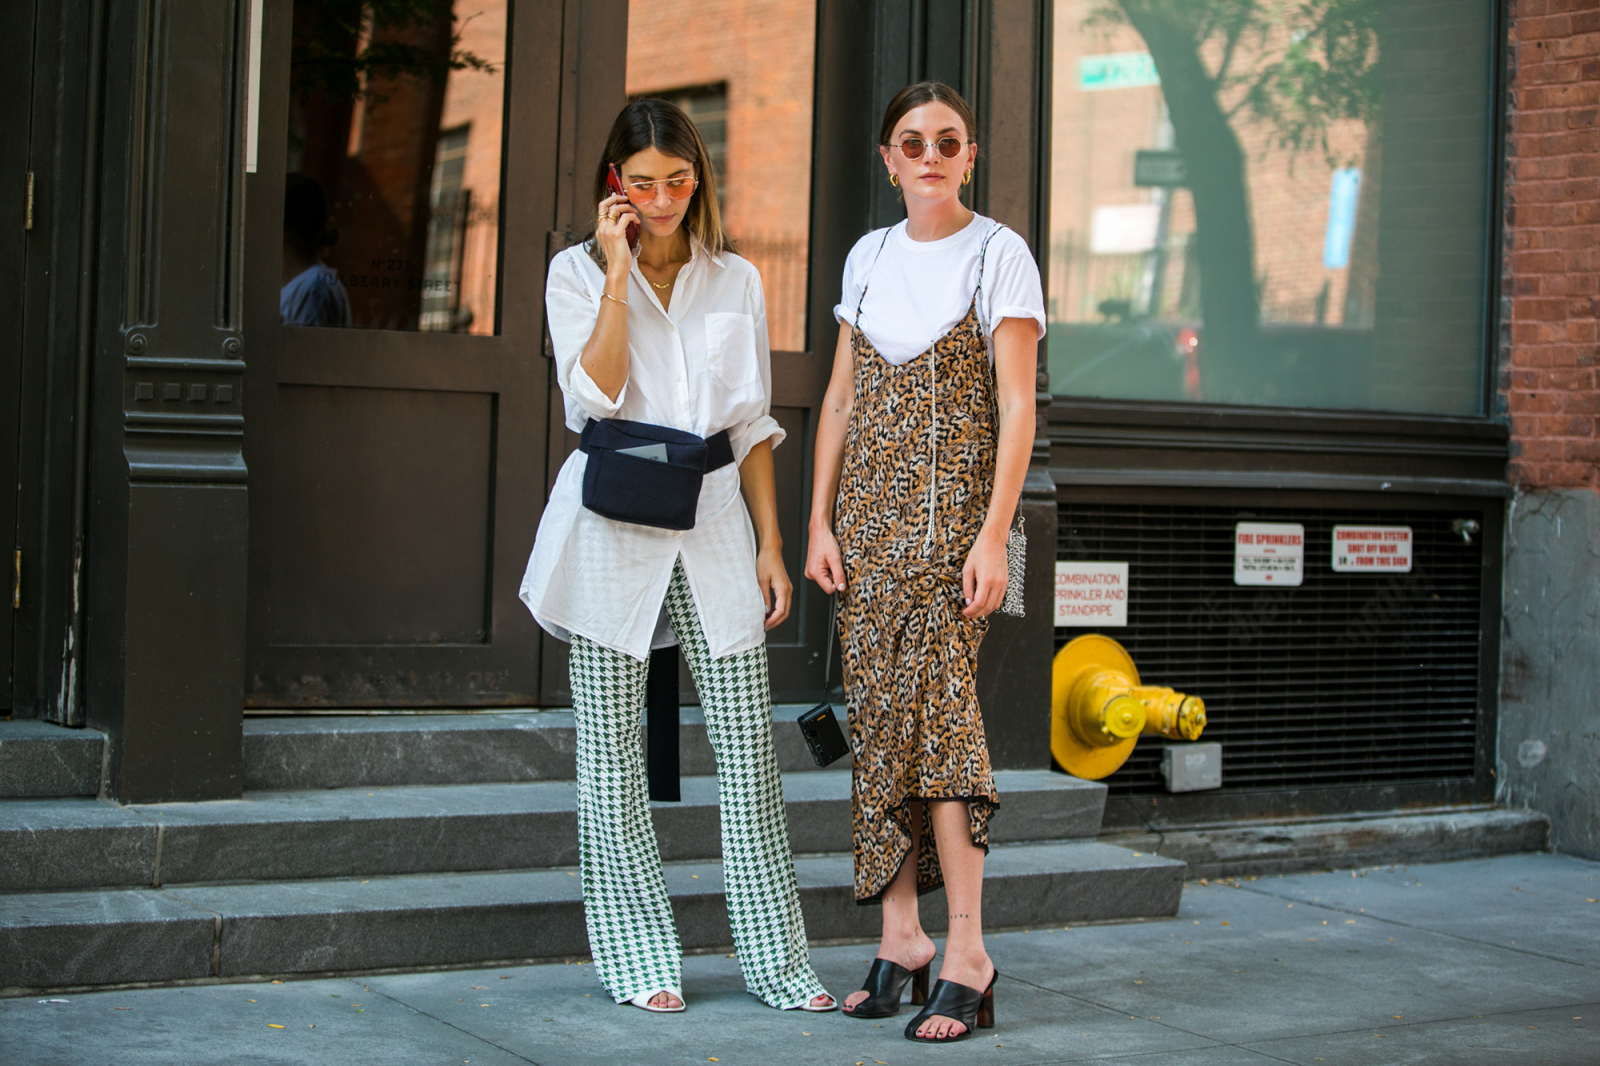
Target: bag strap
983	252
827	660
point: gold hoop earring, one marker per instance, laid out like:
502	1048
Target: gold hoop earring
967	177
894	179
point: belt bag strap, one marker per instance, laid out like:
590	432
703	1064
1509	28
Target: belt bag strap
683	448
624	482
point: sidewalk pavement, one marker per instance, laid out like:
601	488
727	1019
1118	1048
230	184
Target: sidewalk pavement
1488	961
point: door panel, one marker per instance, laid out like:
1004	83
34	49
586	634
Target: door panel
427	580
16	92
397	464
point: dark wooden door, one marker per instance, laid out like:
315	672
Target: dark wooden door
397	466
16	95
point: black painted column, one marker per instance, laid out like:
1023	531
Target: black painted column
168	508
1010	84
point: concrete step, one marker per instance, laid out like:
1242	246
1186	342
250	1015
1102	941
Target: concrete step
41	759
346	751
275	836
110	936
1286	847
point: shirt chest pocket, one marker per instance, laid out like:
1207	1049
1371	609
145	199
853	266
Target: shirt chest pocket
731	354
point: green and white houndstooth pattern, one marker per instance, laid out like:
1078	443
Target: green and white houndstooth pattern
631	932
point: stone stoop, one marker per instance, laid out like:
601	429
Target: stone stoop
41	759
381	842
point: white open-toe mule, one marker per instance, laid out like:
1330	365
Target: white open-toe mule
642	1001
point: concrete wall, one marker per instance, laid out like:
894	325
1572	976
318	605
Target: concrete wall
1549	757
1549	751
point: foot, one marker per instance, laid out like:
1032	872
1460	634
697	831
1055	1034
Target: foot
822	1002
665	1001
974	971
913	952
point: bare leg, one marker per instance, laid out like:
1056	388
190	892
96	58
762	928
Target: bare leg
903	940
965	960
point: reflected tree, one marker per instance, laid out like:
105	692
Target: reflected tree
345	49
1306	64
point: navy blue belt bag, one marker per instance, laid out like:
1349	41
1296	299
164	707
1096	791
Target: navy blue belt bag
646	474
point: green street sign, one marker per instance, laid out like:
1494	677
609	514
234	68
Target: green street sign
1118	70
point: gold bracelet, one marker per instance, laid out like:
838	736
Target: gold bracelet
613	299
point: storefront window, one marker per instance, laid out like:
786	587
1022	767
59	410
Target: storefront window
392	202
744	76
1271	202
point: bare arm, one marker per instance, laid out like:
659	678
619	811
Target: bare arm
605	355
1016	354
761	496
823	564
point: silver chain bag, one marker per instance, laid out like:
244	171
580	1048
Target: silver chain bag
1016	569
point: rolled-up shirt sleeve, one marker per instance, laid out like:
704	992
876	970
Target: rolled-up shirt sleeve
751	432
572	307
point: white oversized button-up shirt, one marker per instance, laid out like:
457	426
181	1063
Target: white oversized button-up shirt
702	366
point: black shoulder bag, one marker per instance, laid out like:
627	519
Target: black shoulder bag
818	725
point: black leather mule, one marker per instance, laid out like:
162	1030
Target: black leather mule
885	981
967	1005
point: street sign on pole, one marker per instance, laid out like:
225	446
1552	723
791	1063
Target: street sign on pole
1117	70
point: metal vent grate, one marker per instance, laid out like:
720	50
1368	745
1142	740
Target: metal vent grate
1349	679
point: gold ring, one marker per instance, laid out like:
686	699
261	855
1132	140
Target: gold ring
610	217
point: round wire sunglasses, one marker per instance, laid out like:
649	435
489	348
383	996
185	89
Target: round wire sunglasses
949	147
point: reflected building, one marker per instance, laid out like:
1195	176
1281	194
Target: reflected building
401	121
744	73
1220	211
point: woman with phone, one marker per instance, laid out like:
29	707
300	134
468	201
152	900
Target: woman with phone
922	445
662	346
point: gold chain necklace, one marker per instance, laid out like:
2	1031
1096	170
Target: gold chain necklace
662	286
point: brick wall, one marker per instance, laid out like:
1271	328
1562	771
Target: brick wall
762	50
1550	379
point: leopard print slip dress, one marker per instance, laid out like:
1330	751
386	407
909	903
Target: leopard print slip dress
918	473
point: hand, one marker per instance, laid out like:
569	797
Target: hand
612	232
823	564
983	578
776	591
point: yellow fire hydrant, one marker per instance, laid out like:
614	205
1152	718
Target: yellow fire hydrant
1099	709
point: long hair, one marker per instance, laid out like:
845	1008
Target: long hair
926	92
662	125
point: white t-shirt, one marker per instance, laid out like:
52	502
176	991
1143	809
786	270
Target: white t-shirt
917	290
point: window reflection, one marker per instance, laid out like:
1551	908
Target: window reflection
744	77
395	117
1230	180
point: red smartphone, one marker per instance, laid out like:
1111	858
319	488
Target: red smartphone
614	183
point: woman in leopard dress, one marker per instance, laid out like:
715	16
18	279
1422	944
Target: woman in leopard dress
922	446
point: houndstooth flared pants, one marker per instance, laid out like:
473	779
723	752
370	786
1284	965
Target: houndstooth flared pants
632	936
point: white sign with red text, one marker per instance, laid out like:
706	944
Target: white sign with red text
1092	594
1372	549
1269	553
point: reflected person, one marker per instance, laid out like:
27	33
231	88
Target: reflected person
312	294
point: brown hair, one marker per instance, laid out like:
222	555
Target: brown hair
662	125
926	92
